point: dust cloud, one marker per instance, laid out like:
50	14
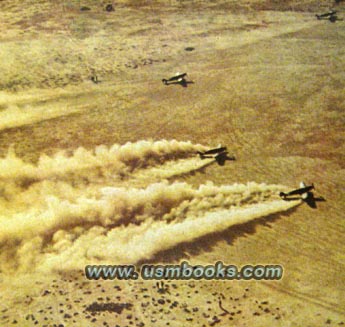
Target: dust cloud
116	205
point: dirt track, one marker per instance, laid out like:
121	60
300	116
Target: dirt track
268	84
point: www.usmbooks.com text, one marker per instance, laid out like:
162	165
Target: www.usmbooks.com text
184	271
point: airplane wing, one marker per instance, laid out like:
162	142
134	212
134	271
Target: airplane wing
179	76
216	150
298	191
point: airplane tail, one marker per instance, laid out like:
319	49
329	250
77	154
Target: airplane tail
282	195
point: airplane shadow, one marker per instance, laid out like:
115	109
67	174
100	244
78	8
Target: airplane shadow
311	200
208	243
192	172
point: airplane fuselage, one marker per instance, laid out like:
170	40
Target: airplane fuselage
179	77
301	190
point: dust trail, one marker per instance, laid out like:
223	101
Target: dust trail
137	243
169	170
110	204
33	106
128	224
83	174
120	160
15	116
121	205
114	206
143	244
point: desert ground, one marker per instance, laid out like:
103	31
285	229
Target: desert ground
105	171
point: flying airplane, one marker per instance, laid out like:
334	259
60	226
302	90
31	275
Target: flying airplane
219	154
331	16
303	191
94	79
177	79
305	194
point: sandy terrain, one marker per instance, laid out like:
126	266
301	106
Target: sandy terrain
107	172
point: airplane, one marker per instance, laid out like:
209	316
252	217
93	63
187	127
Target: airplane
331	16
177	79
94	79
219	154
305	194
